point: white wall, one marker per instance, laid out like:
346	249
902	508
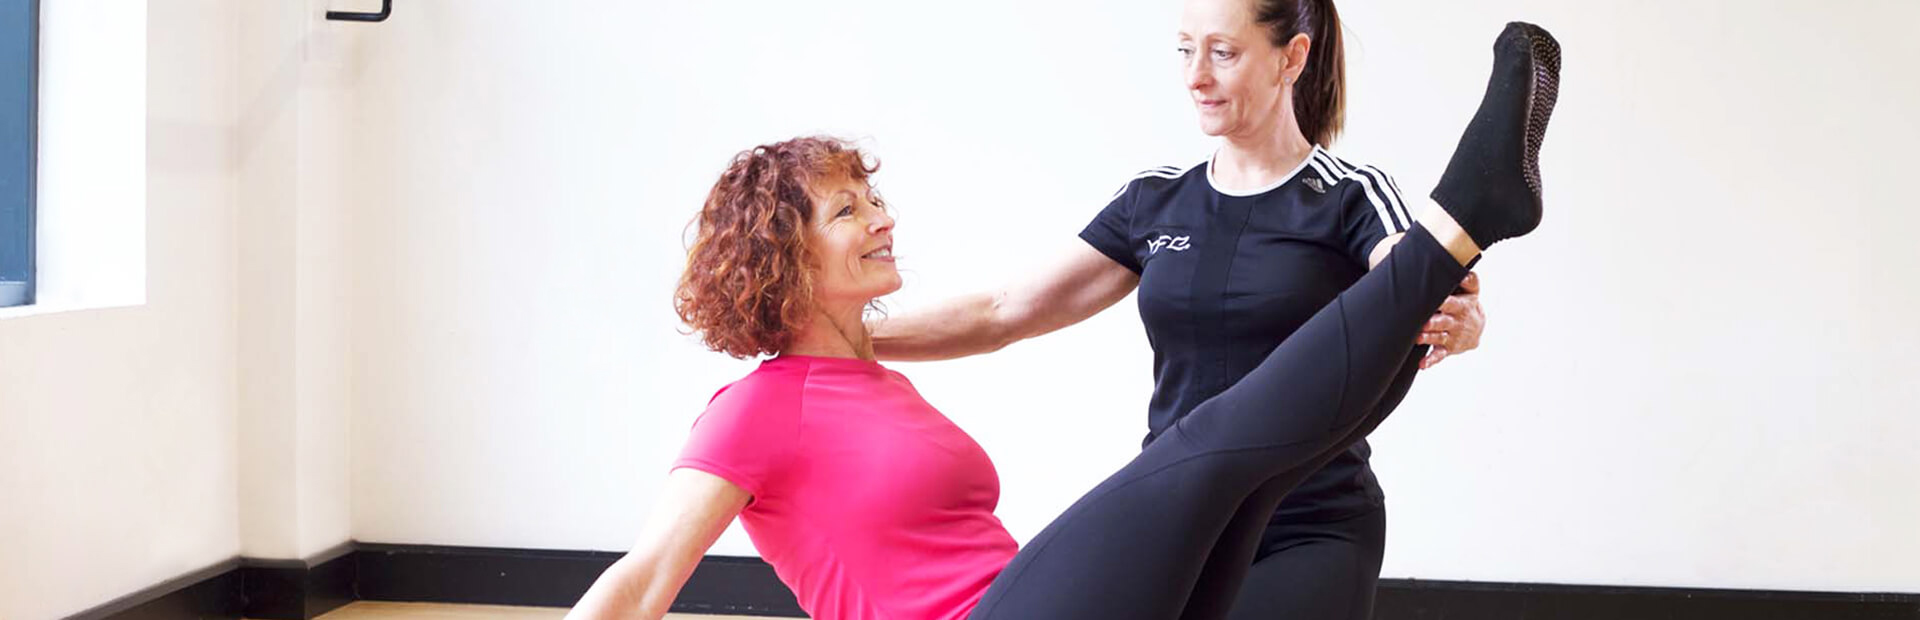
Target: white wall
1699	373
147	442
117	427
1693	374
292	318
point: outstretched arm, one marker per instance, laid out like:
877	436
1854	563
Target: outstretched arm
1067	291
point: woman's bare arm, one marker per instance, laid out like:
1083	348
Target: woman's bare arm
694	508
1065	291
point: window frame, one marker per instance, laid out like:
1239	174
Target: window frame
19	151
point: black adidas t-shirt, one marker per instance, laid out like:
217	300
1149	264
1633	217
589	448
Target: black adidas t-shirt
1226	276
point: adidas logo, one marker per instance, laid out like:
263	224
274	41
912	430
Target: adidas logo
1315	184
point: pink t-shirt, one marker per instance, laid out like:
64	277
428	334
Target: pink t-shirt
867	501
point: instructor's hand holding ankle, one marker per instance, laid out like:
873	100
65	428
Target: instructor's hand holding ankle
1456	328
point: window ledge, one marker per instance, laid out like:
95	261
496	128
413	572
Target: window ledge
59	307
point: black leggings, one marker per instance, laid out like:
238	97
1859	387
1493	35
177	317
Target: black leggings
1166	536
1322	569
1315	570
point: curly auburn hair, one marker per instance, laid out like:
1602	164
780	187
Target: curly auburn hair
748	286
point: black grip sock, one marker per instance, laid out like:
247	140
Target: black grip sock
1492	185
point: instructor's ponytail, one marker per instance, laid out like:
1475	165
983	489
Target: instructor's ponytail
1320	97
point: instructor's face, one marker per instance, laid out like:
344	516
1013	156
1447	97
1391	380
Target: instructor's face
1233	73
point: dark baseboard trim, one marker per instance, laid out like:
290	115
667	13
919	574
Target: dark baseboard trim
244	588
299	589
1419	599
209	593
482	575
738	587
304	589
428	573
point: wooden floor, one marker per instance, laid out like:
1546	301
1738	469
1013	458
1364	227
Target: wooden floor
373	610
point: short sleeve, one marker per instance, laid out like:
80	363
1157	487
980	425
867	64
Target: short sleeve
1371	211
1110	232
746	435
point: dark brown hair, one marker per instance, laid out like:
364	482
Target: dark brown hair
748	286
1320	97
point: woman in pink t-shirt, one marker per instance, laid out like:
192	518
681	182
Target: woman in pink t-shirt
870	504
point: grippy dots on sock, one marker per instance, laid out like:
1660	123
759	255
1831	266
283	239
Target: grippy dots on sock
1492	185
